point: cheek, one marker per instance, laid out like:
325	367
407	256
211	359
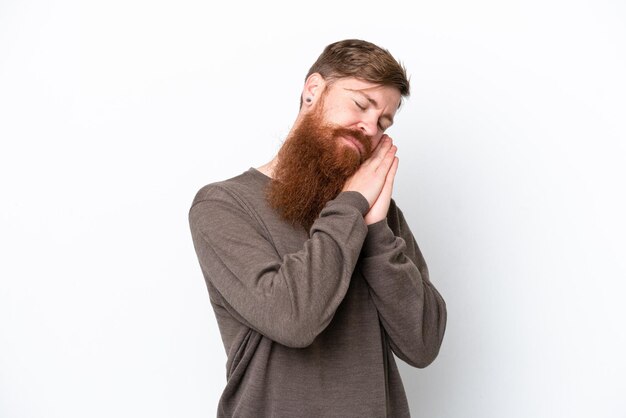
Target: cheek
376	140
341	117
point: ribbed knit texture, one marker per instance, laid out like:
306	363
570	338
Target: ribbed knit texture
310	319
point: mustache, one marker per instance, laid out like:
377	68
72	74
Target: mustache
357	134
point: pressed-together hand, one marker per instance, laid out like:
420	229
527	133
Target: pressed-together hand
374	179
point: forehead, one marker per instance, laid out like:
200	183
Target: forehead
386	96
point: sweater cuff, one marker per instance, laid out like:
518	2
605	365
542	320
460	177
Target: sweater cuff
379	237
352	198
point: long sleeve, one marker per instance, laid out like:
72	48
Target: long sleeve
411	310
289	299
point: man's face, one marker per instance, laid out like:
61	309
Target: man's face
361	106
335	134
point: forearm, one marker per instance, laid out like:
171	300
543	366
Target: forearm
410	308
290	299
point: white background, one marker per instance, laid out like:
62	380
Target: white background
512	165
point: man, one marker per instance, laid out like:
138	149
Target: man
312	271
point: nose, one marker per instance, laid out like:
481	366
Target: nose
369	126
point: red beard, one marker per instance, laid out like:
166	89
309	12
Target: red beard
313	166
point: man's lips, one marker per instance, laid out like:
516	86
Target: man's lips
355	143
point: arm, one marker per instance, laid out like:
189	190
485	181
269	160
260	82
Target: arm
290	299
411	310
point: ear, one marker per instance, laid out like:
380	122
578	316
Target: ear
313	87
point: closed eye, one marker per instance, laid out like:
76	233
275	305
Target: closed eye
360	106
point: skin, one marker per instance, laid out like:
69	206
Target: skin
370	108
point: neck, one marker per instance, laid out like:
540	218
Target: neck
268	168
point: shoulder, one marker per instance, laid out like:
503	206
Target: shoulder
229	206
231	189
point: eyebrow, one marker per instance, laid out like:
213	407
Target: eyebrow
374	102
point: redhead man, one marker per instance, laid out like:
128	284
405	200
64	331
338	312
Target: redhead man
314	275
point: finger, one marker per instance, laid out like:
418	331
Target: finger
387	160
391	175
380	151
394	168
383	138
383	159
385	143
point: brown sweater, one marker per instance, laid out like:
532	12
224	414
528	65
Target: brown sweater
309	319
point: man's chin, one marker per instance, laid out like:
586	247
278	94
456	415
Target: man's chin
349	158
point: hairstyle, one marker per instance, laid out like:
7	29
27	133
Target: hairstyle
362	60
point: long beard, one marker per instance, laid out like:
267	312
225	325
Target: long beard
313	166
